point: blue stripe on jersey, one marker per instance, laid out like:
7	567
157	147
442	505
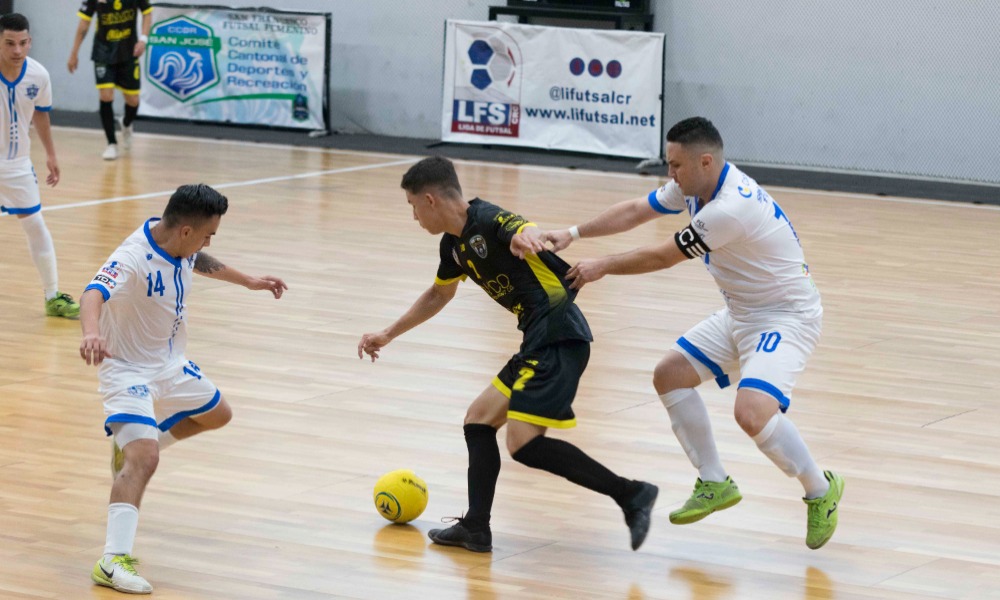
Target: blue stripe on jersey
12	132
722	179
99	288
659	207
43	108
167	424
720	377
126	418
156	248
21	211
767	388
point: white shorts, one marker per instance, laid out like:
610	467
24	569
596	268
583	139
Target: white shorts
19	188
163	402
768	355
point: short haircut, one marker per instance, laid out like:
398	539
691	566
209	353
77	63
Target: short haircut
194	203
695	131
13	22
435	171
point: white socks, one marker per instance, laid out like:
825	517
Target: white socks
43	253
166	440
781	442
123	519
689	420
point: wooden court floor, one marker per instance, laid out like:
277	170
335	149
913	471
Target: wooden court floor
901	397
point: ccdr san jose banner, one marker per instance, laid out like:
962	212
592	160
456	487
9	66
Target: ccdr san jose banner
583	90
250	66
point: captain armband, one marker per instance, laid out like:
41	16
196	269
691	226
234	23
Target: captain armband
690	243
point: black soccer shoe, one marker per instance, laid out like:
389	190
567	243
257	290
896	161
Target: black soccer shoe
459	535
638	511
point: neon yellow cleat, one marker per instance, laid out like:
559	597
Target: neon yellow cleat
120	575
707	497
62	305
822	517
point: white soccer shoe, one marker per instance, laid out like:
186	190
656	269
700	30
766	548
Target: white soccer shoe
120	575
111	152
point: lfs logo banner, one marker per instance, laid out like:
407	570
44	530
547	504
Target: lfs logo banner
550	87
237	66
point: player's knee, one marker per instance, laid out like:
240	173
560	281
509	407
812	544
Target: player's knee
221	416
141	458
753	411
673	372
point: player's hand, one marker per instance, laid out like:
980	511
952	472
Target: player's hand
523	244
372	343
93	349
72	63
53	165
560	240
584	272
270	283
140	47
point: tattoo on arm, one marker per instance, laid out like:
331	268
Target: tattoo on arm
206	264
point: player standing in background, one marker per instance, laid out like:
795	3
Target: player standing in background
767	331
117	48
28	98
133	316
501	251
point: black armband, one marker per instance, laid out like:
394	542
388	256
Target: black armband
690	243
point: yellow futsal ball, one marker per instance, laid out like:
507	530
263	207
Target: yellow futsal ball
400	496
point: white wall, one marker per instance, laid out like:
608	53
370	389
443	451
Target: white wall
899	86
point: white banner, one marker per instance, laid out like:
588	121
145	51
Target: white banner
584	90
236	66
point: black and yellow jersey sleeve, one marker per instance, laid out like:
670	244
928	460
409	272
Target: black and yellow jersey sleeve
534	289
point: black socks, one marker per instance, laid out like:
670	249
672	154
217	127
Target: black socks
566	460
484	469
108	121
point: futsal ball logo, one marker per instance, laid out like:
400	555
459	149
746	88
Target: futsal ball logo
400	496
488	70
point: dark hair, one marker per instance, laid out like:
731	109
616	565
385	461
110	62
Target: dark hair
13	22
194	202
435	171
695	131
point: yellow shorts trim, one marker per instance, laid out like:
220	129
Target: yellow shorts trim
127	91
104	86
544	422
499	385
439	281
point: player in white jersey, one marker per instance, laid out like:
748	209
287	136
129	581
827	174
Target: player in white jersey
764	336
133	316
27	97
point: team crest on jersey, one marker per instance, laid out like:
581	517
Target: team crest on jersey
138	391
31	91
149	257
478	244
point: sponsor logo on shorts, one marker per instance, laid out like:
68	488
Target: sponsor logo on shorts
138	391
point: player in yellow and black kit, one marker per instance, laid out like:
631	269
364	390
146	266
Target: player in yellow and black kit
117	48
503	254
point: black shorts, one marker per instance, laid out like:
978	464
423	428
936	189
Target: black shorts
541	384
124	76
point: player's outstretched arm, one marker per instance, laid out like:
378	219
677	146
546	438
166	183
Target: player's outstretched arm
528	241
617	218
641	260
426	306
209	266
93	348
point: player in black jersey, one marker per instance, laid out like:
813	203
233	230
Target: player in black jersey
117	48
503	254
